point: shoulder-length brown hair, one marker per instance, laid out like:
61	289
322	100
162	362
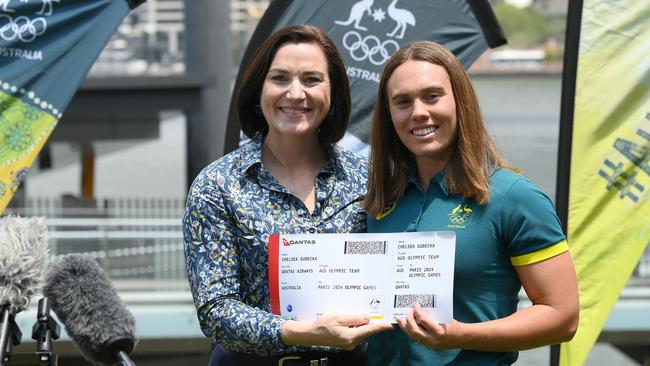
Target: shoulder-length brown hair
252	121
474	159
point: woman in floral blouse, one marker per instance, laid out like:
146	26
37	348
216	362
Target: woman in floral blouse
294	104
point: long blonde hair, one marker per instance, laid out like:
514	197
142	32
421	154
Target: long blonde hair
475	157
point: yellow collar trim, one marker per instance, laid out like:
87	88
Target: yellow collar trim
387	211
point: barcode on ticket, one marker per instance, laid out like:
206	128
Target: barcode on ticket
365	247
406	301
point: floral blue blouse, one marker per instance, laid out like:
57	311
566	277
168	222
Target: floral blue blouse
232	207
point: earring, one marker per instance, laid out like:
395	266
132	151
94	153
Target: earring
258	110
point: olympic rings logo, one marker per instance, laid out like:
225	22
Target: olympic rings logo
458	219
370	48
22	28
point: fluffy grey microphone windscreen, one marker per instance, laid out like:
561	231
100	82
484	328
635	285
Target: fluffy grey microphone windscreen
23	258
86	302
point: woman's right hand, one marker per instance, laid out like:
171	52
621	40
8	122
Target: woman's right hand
342	331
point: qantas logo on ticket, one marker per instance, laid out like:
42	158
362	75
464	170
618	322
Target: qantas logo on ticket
287	243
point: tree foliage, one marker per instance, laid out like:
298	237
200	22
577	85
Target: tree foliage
523	27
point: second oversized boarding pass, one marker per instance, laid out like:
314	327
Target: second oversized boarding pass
381	274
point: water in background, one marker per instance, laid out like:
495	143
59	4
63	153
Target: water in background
523	116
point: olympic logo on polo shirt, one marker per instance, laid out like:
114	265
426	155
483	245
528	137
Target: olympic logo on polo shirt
460	214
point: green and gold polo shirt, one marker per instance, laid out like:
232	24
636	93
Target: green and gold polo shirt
517	227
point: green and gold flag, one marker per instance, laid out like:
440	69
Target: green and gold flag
46	49
608	224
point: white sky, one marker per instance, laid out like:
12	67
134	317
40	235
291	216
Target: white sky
520	3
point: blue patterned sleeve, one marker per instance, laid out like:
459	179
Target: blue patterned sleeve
213	267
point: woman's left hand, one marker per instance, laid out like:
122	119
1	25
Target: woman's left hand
426	331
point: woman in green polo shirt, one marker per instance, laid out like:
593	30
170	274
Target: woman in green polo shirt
434	167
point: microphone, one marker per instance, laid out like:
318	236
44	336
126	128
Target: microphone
93	314
44	331
23	257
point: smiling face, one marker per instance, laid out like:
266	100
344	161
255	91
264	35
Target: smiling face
296	93
423	110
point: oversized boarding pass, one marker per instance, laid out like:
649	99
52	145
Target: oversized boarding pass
380	274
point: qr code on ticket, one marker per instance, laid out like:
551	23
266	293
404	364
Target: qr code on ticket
365	247
406	301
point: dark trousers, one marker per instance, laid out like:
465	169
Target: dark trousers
222	357
219	358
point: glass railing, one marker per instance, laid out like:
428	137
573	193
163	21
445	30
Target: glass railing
139	241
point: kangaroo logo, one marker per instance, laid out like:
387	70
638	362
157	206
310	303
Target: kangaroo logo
460	214
402	17
356	14
374	305
370	47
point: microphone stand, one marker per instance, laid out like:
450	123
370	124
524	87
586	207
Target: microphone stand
124	359
10	334
116	351
44	331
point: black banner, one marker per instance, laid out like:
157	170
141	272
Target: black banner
367	33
